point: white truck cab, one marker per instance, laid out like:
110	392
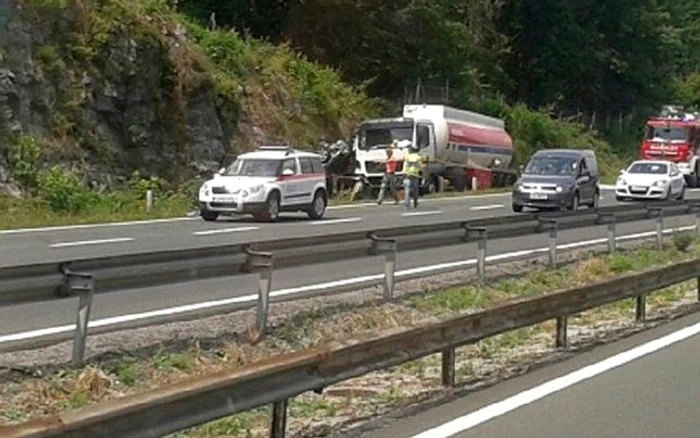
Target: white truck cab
265	182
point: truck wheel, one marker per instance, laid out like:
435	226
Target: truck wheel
456	179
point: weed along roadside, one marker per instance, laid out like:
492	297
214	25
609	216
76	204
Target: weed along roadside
34	392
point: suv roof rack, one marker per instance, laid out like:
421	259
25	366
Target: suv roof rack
288	149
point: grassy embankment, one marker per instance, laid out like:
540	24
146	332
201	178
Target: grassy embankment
293	98
48	391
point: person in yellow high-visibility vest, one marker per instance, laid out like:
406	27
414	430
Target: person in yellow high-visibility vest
411	172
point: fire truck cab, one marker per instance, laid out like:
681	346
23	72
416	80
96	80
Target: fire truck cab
674	135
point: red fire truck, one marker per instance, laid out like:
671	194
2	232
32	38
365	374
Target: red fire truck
674	135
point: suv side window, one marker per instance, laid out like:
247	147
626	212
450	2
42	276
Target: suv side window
317	165
289	164
307	167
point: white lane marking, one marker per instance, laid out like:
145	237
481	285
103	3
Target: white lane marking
516	401
91	242
224	231
438	199
486	207
421	213
305	289
335	221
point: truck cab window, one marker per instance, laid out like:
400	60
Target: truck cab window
422	136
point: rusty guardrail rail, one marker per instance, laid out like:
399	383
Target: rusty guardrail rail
84	278
274	381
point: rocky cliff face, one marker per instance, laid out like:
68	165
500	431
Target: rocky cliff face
109	89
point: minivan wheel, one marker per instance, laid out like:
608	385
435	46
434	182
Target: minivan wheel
574	203
596	200
517	208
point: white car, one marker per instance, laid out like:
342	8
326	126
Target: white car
650	179
270	180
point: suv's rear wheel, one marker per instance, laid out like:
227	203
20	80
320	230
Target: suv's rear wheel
318	205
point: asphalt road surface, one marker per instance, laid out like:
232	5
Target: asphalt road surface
23	318
639	387
40	245
61	243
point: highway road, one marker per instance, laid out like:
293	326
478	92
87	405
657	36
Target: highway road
139	304
643	386
61	243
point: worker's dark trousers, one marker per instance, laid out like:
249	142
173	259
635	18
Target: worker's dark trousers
389	181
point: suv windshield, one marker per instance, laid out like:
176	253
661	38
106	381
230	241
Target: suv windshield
382	137
253	167
654	168
555	166
666	134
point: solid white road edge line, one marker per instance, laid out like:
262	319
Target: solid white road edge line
421	213
302	289
335	221
91	242
516	401
486	207
224	230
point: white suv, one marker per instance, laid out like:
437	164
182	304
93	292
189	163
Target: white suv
266	182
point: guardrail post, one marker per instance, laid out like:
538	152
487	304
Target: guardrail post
697	223
388	246
261	261
641	310
279	419
482	235
448	367
562	323
552	226
83	285
610	220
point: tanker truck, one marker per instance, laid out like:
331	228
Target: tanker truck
459	146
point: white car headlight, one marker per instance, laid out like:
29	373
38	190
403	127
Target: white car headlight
621	181
660	183
256	189
560	189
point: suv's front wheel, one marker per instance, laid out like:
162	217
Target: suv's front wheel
318	205
209	216
271	210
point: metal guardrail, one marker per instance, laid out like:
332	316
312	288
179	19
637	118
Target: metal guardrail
51	281
274	381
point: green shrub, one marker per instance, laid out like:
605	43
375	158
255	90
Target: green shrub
63	191
23	157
